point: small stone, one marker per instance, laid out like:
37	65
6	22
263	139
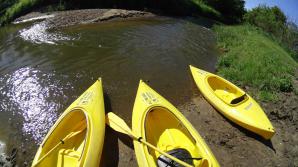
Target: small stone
24	151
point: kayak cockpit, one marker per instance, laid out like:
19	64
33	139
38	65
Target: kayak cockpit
70	133
179	153
225	91
165	131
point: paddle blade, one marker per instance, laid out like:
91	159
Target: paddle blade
118	124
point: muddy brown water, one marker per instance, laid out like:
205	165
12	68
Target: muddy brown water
42	71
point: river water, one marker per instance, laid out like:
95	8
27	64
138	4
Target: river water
42	71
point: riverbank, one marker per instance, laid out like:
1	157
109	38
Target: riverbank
262	67
231	144
61	19
9	10
235	146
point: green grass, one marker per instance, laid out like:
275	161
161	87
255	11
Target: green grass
267	96
205	9
255	60
17	9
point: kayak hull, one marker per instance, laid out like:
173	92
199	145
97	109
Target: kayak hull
246	112
85	115
161	124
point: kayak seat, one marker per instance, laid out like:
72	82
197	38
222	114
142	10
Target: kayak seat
238	99
224	95
68	157
226	91
179	153
165	131
229	98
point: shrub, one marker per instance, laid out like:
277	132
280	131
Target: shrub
16	10
285	84
231	10
270	19
273	21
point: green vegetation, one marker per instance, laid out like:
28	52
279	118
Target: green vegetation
253	59
232	10
13	10
270	19
267	96
206	10
260	53
273	21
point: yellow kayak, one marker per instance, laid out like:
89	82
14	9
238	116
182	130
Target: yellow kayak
77	137
233	102
158	122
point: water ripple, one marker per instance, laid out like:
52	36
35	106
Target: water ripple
38	33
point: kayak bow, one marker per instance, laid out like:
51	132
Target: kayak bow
77	137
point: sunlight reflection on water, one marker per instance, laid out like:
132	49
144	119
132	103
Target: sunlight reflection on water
30	91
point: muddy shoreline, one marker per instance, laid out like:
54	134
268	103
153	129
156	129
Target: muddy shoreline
231	144
236	146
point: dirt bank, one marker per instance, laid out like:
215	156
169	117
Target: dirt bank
235	146
86	16
231	144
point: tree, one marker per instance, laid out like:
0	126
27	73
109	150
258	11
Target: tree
232	10
270	19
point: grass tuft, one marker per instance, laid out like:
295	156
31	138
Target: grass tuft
267	96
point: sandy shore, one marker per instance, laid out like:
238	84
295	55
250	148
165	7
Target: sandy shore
76	17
